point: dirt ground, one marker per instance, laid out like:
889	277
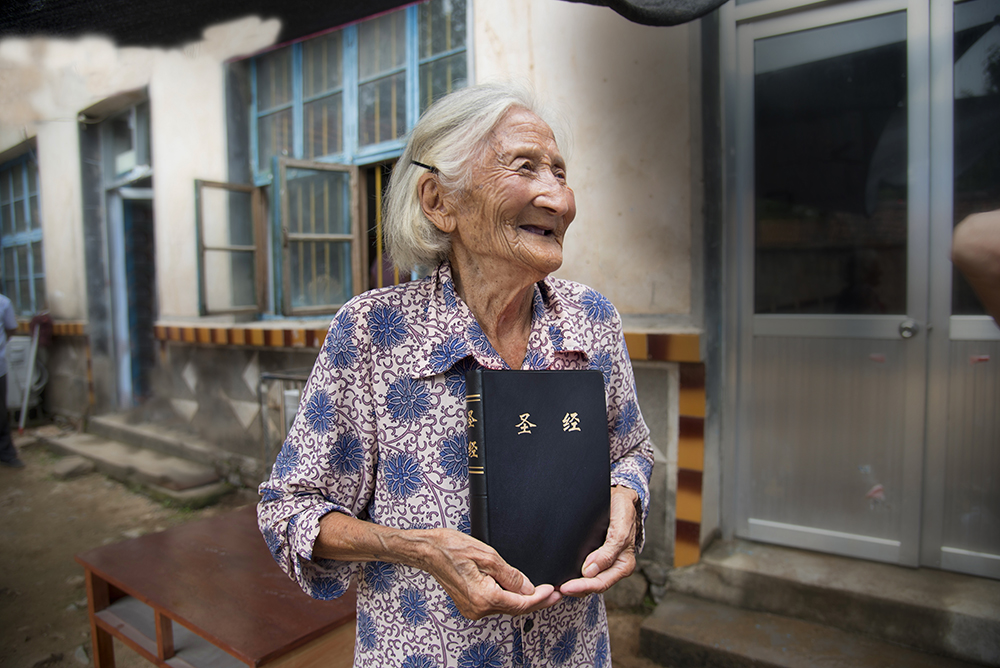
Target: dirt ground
45	521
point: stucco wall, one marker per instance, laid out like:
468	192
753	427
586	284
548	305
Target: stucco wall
46	83
624	90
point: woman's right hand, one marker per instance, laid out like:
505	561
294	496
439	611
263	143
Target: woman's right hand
478	580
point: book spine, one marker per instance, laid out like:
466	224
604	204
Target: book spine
478	506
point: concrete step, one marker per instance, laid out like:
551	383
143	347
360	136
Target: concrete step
690	632
161	437
181	481
936	612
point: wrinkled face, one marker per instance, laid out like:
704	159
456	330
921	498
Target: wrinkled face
519	205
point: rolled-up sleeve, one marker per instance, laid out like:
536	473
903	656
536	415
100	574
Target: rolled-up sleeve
327	462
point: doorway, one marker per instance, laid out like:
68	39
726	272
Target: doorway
867	377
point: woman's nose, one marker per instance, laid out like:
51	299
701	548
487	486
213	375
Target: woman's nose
554	196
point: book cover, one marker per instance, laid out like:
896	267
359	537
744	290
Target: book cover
539	468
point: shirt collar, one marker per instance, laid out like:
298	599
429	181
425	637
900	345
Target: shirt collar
450	334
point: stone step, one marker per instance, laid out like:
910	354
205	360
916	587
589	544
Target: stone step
166	477
932	611
171	441
685	631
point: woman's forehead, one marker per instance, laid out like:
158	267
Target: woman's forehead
522	130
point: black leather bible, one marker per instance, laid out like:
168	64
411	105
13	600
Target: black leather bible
539	468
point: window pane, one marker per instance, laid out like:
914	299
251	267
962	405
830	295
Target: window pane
32	177
442	26
37	267
831	169
41	301
323	123
24	280
5	186
122	156
320	272
382	110
440	77
274	79
229	280
17	179
322	64
7	211
977	130
20	216
318	202
274	137
382	44
9	266
36	222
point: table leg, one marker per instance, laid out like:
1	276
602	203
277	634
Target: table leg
98	598
164	636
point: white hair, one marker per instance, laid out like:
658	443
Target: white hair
450	137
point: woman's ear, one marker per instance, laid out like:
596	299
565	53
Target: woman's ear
433	204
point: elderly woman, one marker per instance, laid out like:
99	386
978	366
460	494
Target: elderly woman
372	481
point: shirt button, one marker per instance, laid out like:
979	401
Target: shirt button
528	625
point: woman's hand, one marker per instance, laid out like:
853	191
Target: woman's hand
478	580
616	558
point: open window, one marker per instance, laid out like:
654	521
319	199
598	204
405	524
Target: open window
321	256
232	263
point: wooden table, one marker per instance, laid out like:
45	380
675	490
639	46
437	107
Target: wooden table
231	603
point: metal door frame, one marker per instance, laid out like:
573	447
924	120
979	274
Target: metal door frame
948	327
742	25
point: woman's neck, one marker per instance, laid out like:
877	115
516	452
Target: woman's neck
501	302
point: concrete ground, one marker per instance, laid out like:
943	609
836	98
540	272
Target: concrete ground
44	521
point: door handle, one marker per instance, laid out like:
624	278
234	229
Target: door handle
908	328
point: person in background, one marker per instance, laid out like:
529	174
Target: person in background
975	251
8	453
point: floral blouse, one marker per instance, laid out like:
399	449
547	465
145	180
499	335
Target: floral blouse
381	435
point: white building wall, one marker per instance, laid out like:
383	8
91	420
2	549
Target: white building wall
624	90
46	83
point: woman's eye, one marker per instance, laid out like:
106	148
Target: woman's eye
526	167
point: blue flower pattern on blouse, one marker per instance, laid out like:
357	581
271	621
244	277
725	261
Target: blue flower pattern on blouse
379	576
601	654
327	589
564	647
418	661
340	347
599	309
381	435
347	455
454	377
402	475
455	456
479	340
414	607
602	362
481	655
319	412
388	328
556	337
408	399
446	354
627	419
367	635
287	459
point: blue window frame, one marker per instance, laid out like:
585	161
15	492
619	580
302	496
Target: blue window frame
21	270
350	95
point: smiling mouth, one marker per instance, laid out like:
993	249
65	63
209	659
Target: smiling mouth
540	231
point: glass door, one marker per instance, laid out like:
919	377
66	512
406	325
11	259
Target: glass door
832	149
961	527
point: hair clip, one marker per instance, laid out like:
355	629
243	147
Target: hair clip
432	170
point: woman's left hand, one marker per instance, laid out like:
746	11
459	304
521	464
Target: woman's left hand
616	558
